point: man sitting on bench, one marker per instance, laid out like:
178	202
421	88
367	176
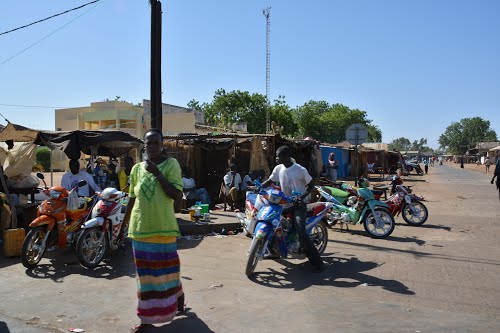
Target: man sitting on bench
190	190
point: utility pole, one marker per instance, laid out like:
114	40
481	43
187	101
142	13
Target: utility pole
156	105
267	14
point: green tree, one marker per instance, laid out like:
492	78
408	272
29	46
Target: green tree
420	145
328	123
374	133
400	144
42	156
235	107
282	115
465	134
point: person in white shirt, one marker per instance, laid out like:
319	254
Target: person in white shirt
191	192
71	178
293	177
232	184
248	180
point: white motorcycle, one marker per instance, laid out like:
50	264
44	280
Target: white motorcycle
105	229
248	220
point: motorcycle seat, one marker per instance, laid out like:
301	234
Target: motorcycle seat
314	208
377	192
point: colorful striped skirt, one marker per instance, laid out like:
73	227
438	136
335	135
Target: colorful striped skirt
159	289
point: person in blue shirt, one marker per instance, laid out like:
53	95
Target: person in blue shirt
426	165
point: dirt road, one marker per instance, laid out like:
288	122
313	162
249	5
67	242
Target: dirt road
441	277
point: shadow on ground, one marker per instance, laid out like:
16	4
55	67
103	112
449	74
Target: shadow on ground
3	327
426	226
421	254
189	322
339	272
391	238
64	263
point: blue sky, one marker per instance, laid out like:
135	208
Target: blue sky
414	66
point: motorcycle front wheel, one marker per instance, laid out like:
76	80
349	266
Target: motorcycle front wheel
253	255
92	246
415	214
379	231
33	250
319	236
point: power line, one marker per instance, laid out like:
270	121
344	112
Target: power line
48	18
47	36
70	107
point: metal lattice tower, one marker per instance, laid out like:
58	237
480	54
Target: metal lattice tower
267	14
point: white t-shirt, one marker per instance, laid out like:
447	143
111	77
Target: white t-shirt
228	179
188	183
292	179
69	181
246	179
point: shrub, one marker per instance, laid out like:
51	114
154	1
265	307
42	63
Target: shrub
43	157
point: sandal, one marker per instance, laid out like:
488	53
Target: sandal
139	328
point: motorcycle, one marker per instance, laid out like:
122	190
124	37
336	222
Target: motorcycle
248	221
404	202
105	229
55	224
363	208
275	233
413	165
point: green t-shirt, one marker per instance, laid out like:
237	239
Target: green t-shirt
153	212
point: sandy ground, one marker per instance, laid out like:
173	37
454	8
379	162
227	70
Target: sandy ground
441	277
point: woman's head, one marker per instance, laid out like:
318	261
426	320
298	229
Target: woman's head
153	143
331	156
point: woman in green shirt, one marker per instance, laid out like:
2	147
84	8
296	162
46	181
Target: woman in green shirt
154	185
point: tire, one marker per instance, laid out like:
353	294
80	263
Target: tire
369	220
88	250
412	219
253	259
319	236
30	256
419	171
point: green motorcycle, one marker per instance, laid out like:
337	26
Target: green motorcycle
374	214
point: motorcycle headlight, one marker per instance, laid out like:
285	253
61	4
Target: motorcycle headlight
54	194
96	211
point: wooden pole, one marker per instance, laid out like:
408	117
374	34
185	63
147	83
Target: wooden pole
155	79
7	195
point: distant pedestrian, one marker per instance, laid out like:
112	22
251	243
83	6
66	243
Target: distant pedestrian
432	161
426	165
462	162
332	167
487	163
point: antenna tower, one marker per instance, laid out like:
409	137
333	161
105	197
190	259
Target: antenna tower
267	14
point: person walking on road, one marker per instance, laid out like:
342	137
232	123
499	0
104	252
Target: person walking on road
426	165
496	173
154	185
487	163
293	177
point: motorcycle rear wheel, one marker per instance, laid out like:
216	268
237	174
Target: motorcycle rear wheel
255	249
319	236
89	250
31	252
413	219
369	223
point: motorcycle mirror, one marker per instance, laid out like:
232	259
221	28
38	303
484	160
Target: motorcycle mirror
40	175
82	183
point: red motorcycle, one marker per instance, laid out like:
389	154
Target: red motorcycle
404	202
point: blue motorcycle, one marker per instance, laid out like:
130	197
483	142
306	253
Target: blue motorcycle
275	233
